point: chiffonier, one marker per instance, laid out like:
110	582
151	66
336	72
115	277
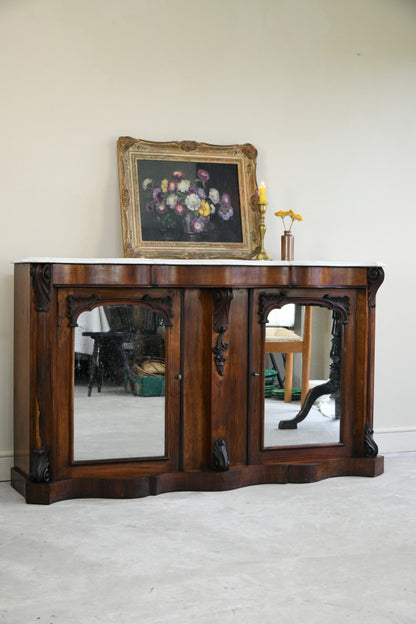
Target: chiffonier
92	421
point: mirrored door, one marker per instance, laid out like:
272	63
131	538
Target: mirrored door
119	383
302	376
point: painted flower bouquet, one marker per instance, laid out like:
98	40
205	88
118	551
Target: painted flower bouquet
192	201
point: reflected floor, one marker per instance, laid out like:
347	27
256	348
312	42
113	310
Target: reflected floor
114	424
319	427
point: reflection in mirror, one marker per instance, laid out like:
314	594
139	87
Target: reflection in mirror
119	383
302	373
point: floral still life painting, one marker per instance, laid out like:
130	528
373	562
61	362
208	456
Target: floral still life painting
187	199
199	200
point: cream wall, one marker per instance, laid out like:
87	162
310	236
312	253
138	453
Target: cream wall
325	89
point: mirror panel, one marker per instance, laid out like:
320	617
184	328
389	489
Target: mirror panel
303	344
119	384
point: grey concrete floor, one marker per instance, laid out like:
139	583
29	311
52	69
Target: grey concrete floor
341	550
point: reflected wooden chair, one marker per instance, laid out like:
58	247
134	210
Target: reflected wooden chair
283	340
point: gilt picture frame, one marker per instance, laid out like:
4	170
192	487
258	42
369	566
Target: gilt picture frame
184	199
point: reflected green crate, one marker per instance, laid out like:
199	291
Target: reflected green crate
148	385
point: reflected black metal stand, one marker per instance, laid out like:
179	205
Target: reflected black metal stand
116	344
332	386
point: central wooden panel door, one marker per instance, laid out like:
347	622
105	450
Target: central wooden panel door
215	364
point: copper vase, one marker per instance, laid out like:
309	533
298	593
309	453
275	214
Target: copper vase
287	246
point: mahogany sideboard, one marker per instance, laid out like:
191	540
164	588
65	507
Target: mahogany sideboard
214	315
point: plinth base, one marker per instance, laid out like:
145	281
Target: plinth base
54	491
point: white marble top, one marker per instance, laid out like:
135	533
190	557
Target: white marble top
203	262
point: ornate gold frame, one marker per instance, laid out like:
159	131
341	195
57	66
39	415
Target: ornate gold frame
244	157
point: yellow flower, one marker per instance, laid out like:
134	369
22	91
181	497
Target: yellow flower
164	186
288	213
204	208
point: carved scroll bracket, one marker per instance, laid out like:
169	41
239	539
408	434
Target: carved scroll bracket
39	469
370	447
41	275
220	459
222	302
375	276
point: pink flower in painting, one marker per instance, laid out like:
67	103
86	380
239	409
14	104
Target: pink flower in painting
203	175
179	209
178	174
161	208
172	187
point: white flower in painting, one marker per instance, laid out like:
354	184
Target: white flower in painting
192	202
212	208
183	186
172	200
214	195
147	183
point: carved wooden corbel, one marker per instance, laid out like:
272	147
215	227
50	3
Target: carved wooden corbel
375	277
41	275
370	447
222	301
39	469
220	460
